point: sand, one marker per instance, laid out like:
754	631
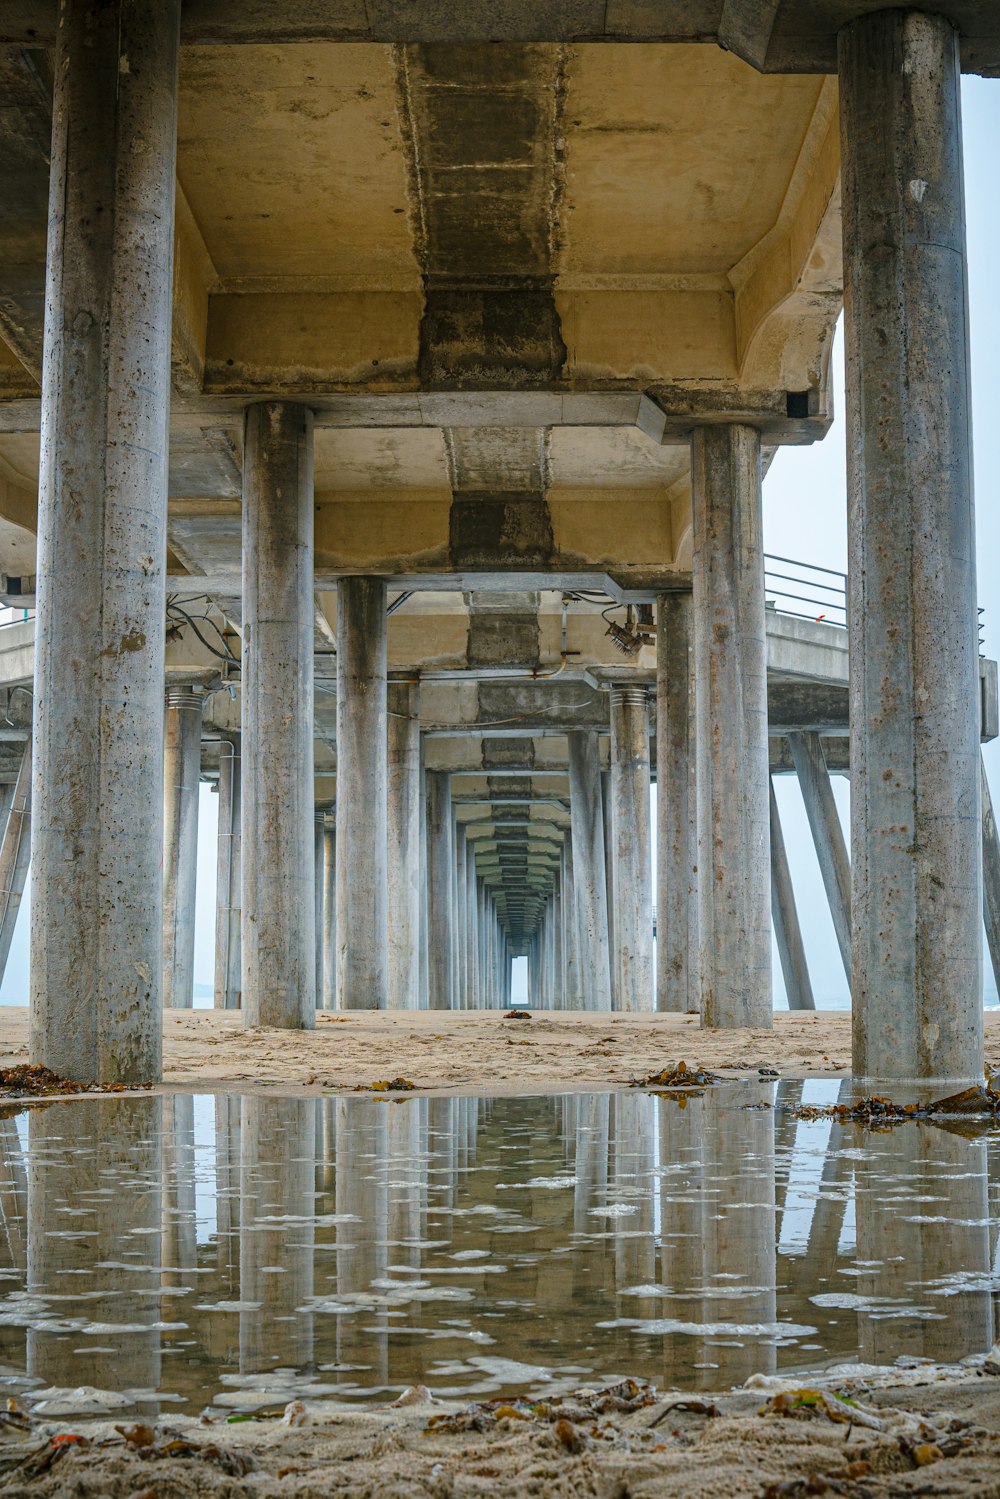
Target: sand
479	1051
472	1052
940	1436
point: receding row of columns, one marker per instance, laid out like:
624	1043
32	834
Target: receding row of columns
97	910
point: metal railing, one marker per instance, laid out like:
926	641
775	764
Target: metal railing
11	616
805	591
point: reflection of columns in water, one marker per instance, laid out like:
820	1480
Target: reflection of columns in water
633	1184
912	1242
591	1161
739	1233
227	1191
681	1141
361	1252
442	1145
13	1200
13	1232
277	1176
178	1239
91	1159
406	1189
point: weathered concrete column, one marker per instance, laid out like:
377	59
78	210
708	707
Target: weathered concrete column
734	917
329	998
828	836
471	919
677	833
362	795
278	864
15	853
181	779
319	890
440	911
227	899
991	877
633	899
589	870
96	917
794	967
404	845
558	1000
571	939
608	816
486	996
424	960
915	814
461	918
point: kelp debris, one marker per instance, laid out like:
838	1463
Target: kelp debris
387	1085
579	1408
677	1075
980	1102
517	1015
32	1080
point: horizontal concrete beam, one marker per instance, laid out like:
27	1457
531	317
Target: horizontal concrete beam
801	40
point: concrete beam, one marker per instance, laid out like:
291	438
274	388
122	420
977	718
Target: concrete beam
803	41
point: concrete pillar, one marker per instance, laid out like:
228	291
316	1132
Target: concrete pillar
608	817
329	1000
486	998
794	967
734	918
96	917
991	878
828	836
440	911
319	892
633	901
404	845
471	940
181	781
362	795
424	958
589	870
571	941
278	816
461	917
915	812
15	853
228	963
676	828
558	999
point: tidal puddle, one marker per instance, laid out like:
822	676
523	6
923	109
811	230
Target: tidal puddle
240	1252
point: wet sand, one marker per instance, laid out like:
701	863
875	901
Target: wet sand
479	1051
934	1437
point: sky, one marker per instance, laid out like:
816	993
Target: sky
805	516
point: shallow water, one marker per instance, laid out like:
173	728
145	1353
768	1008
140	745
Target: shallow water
237	1252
